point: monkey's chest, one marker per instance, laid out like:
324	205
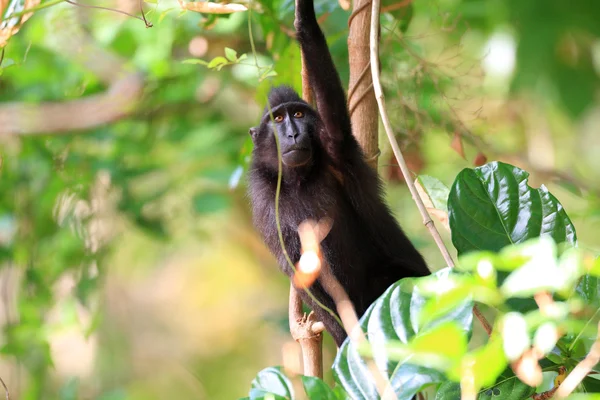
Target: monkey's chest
347	245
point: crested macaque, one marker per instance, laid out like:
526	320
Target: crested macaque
324	174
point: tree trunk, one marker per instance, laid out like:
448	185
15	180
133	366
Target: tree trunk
361	97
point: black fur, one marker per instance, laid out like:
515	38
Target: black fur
366	249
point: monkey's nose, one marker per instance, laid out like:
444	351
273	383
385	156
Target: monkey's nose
292	133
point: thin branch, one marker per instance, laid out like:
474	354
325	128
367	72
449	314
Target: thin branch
142	18
74	115
5	389
427	221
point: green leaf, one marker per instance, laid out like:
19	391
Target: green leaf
436	190
231	54
485	363
509	387
591	384
316	389
447	340
217	62
448	390
340	393
394	318
492	206
195	61
268	73
594	267
272	381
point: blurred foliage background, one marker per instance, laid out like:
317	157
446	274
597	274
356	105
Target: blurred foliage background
129	266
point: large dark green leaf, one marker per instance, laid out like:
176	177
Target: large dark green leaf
492	206
509	387
591	384
448	390
394	317
271	381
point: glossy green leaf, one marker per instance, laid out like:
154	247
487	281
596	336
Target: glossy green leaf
316	389
509	387
271	381
492	206
591	384
448	390
395	317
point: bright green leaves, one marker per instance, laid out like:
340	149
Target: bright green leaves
219	62
492	206
411	353
272	384
231	58
418	329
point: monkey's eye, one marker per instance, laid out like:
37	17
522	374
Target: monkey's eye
278	118
298	114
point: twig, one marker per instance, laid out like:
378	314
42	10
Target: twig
581	370
427	221
5	389
142	18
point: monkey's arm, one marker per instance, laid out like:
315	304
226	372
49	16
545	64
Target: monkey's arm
324	79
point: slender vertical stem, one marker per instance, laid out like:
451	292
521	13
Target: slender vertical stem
427	221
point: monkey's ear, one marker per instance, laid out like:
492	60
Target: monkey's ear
253	132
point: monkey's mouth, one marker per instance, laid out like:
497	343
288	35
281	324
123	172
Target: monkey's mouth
296	157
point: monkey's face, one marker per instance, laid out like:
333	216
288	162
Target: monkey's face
295	125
